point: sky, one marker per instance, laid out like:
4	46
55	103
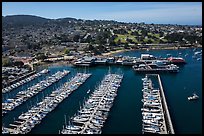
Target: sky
182	13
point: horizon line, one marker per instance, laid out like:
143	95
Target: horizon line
99	20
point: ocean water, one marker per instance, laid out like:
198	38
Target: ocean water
125	115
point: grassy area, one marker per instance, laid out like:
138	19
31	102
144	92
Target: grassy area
155	35
124	37
139	32
121	37
165	40
146	39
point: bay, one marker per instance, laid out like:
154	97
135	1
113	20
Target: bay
125	115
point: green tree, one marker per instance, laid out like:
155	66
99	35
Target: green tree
88	39
66	51
6	62
76	38
41	56
90	48
18	63
96	52
149	41
126	46
112	43
119	42
135	33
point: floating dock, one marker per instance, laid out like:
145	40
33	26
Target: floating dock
25	79
91	117
37	113
156	117
23	96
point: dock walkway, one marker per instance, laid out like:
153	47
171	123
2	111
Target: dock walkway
37	113
167	115
169	125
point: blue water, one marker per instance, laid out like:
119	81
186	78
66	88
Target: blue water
125	115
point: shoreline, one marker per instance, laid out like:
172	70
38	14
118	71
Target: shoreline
112	53
126	50
57	63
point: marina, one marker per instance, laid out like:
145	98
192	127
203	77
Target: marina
34	116
156	117
26	80
90	118
23	96
102	68
15	85
127	105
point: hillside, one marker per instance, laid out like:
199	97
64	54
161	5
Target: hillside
23	20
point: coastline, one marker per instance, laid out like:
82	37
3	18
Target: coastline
115	52
154	48
57	63
109	54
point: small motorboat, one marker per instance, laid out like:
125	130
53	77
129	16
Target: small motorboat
44	71
88	91
194	97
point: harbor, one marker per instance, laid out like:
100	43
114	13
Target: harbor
146	63
34	116
127	105
126	60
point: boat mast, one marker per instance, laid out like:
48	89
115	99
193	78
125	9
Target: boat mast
65	121
109	70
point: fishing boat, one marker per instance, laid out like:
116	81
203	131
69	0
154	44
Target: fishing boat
194	97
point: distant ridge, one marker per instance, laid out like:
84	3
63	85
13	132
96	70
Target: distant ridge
23	20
